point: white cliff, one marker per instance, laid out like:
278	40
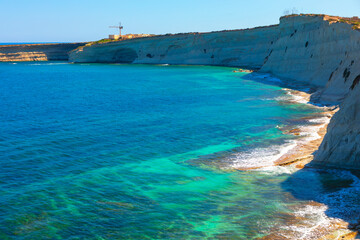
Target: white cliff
317	51
341	145
227	48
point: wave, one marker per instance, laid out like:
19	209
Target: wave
314	219
260	157
344	202
266	157
330	210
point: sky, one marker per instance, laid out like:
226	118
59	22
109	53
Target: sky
89	20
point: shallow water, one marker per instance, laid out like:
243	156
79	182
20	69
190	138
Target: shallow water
96	151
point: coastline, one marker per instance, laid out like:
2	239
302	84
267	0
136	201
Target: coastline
308	219
311	135
312	49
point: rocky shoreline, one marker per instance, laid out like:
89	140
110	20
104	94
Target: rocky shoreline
303	153
318	50
300	224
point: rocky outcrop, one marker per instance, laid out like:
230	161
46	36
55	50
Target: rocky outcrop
319	50
37	52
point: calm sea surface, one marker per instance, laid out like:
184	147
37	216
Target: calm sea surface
96	151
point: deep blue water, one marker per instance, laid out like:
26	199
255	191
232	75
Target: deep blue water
96	151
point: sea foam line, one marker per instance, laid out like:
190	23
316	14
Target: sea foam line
265	158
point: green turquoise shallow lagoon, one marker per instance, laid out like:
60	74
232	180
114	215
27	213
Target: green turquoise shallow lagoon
110	151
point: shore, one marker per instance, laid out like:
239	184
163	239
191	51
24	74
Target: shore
297	158
309	133
308	219
312	135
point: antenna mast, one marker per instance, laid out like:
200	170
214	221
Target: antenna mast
119	27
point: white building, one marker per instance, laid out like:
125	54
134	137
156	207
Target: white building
114	37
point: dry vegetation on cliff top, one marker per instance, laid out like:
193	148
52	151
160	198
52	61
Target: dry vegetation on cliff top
354	21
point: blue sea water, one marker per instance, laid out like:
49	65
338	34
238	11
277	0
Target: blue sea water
110	151
17	43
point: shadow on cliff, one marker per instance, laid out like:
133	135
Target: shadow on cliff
339	190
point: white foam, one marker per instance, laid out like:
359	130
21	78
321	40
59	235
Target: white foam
290	97
310	132
276	170
298	98
335	208
321	120
265	158
46	63
62	63
260	157
314	219
344	202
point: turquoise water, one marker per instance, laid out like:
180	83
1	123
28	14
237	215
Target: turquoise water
96	151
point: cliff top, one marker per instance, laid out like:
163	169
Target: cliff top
354	21
106	40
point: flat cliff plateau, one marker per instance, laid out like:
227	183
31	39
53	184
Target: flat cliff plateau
37	52
322	51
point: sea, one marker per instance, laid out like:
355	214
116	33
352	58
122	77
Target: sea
116	151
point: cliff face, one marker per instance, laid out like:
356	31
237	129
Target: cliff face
37	52
320	50
317	51
228	48
327	55
341	145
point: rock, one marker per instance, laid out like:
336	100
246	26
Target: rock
37	52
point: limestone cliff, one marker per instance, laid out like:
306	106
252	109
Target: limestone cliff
247	48
320	50
37	52
341	145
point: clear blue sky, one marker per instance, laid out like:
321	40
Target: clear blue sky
86	20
